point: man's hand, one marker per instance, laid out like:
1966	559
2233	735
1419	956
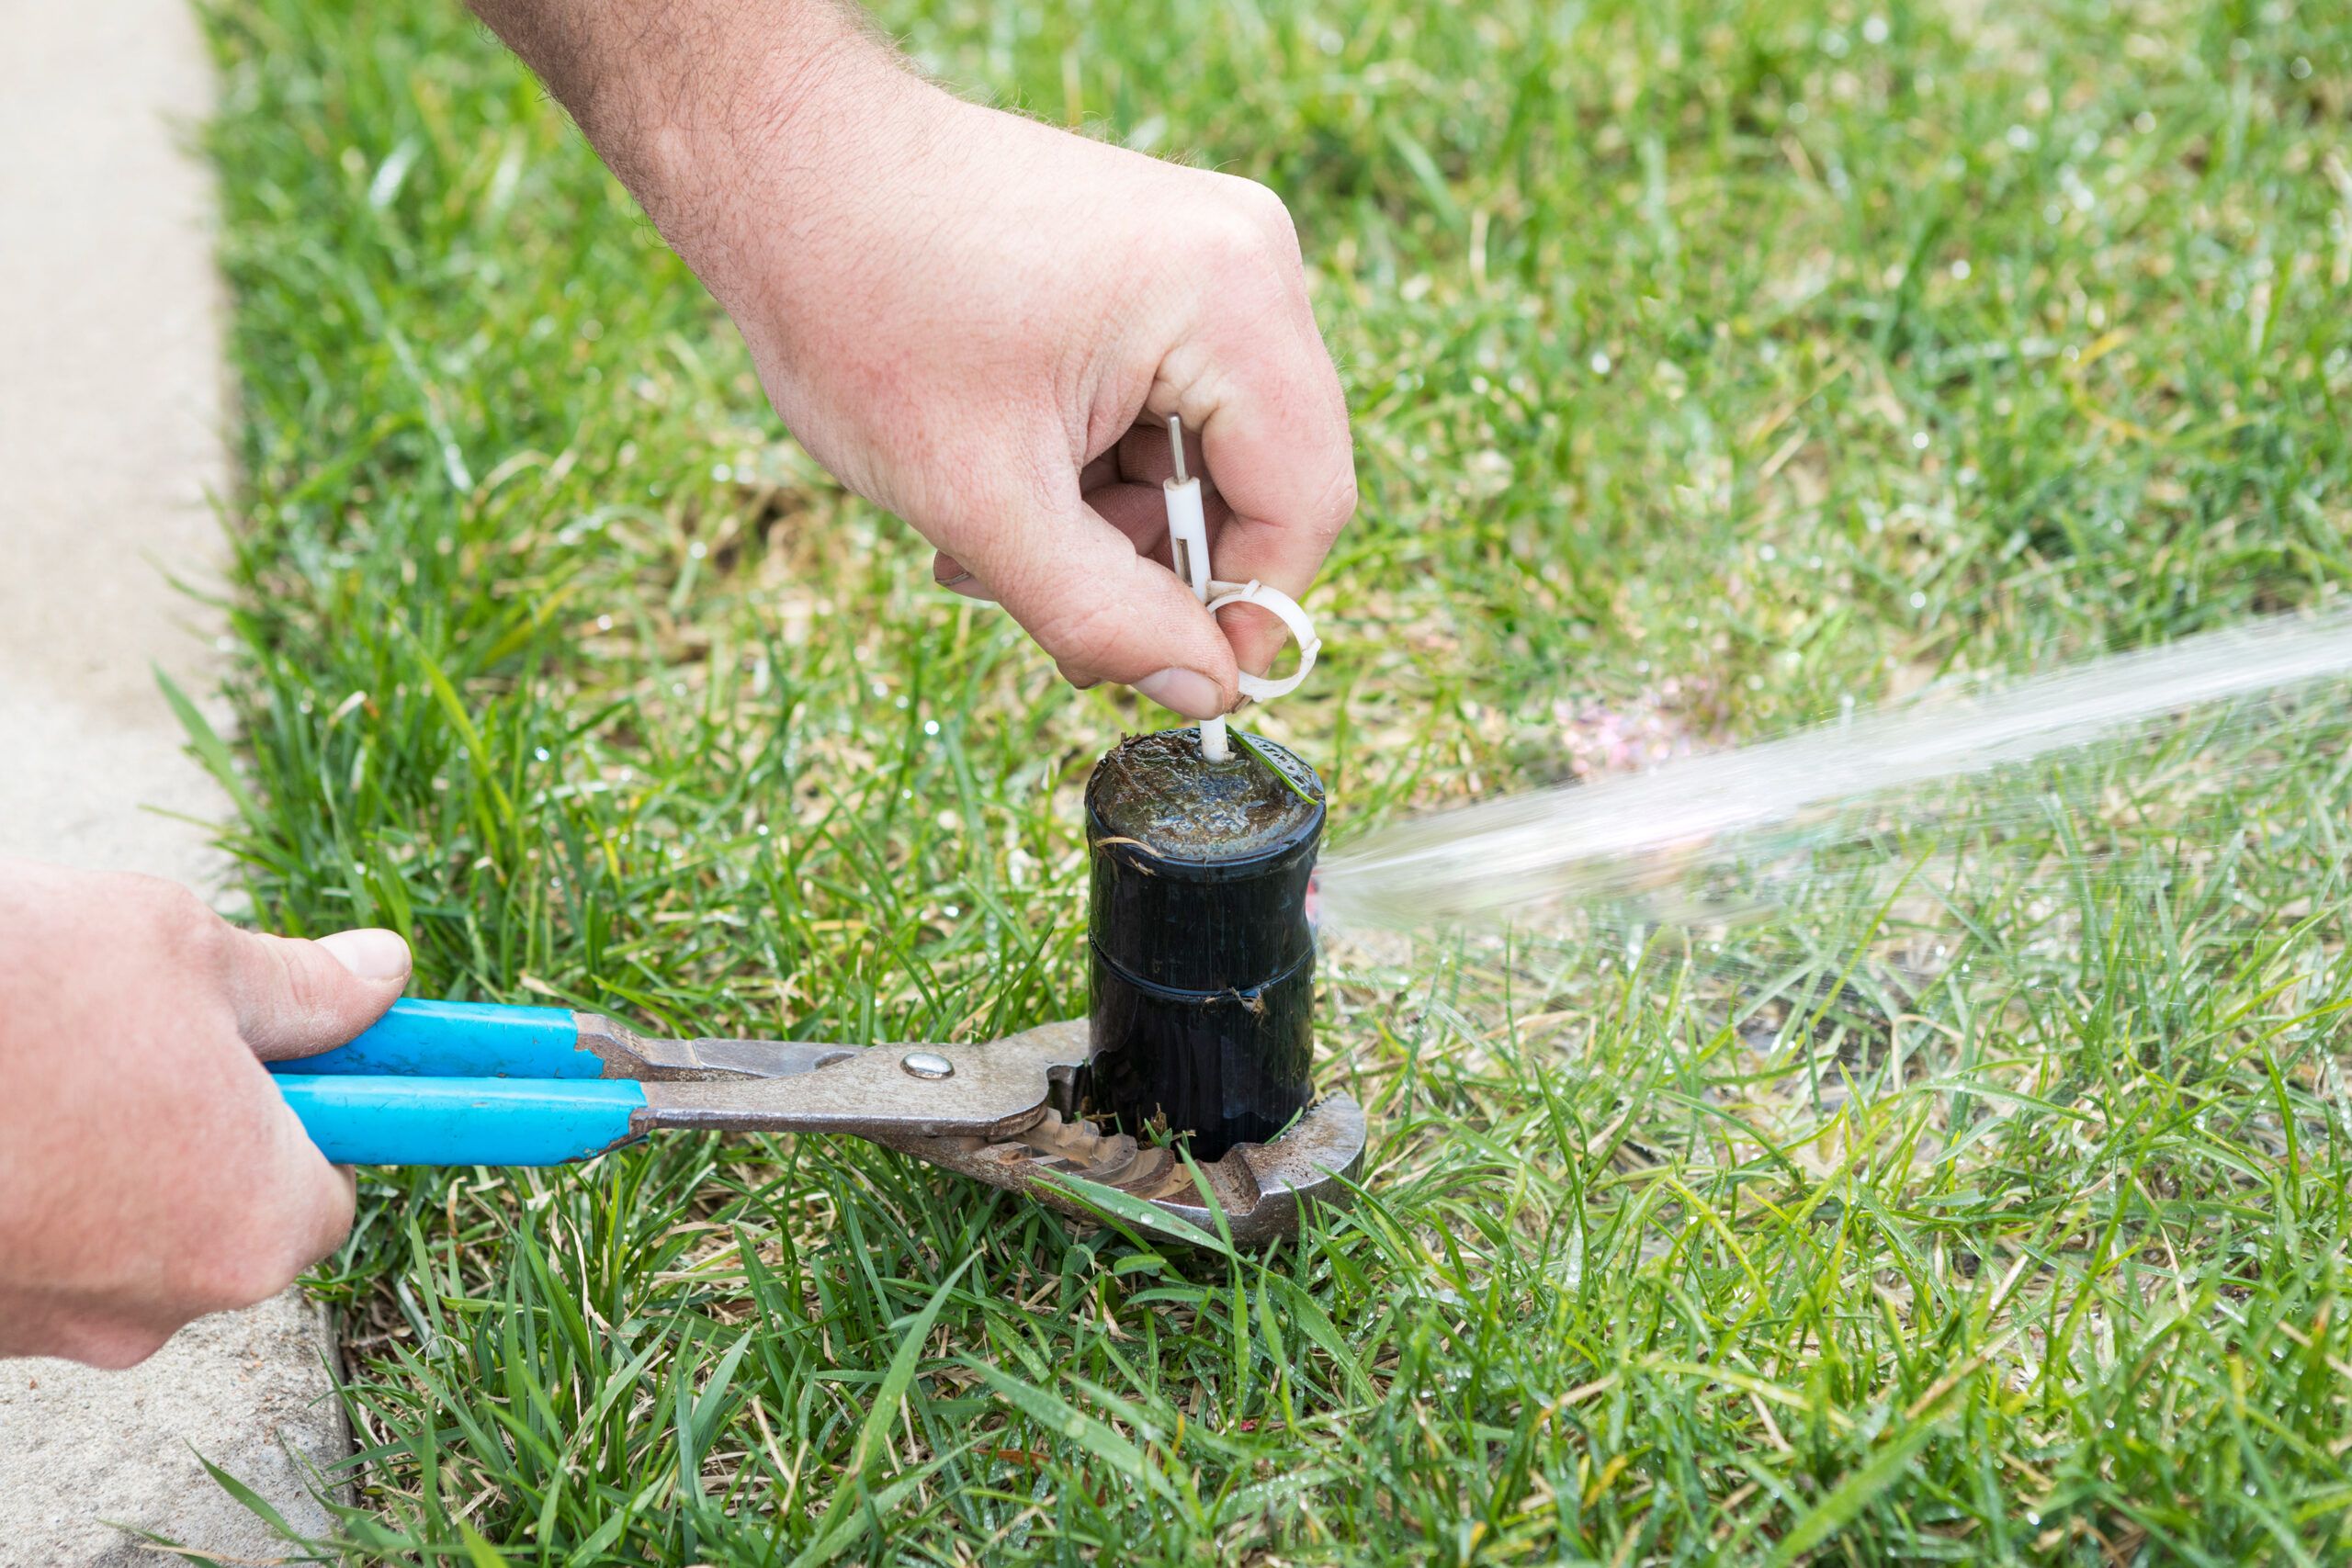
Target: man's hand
982	323
149	1172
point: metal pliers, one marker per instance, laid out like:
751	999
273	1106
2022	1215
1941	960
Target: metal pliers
475	1083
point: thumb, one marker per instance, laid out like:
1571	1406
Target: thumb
295	998
1103	612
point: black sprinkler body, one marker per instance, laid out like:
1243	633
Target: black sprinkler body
1202	957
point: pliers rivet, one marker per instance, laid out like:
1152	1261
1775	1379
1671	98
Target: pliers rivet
927	1064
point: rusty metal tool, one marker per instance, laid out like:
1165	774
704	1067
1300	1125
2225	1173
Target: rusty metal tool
471	1083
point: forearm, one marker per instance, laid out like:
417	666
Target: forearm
714	111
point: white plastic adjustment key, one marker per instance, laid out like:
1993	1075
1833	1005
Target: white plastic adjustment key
1284	608
1188	550
1188	530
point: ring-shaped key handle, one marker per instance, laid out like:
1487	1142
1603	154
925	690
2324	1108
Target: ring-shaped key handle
1284	608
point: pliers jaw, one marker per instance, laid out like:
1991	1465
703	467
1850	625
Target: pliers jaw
1007	1112
1260	1190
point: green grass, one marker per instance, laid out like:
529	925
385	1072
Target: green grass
1716	363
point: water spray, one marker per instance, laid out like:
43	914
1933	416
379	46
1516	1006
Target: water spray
1588	844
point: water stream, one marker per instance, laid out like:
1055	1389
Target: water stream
1585	844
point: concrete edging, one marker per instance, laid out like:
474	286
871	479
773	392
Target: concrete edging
112	410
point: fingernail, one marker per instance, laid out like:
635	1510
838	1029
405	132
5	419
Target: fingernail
371	954
1187	691
969	587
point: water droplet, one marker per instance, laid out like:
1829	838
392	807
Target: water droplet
1600	363
931	727
604	623
1918	601
1918	441
952	910
1959	269
541	752
698	549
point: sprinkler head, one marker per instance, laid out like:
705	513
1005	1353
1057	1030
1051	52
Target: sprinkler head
1202	957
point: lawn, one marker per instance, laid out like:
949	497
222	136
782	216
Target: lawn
1714	365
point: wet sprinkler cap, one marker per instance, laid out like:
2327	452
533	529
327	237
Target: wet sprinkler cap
1155	795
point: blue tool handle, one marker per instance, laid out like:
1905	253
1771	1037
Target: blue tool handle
460	1040
421	1120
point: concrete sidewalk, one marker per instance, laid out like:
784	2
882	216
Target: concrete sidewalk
112	410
